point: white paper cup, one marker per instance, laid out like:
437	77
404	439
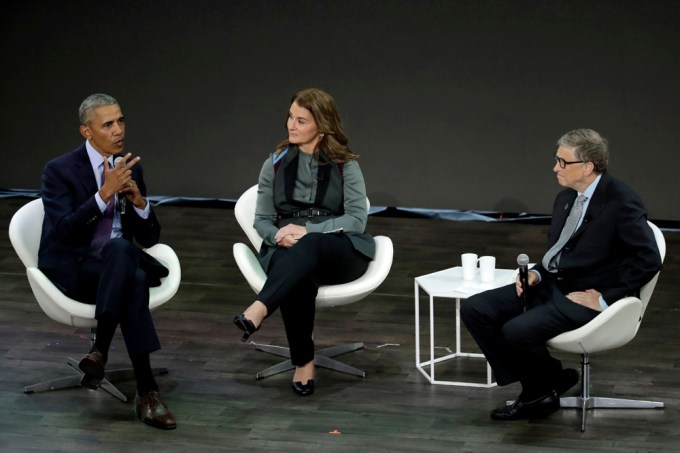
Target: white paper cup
469	263
487	269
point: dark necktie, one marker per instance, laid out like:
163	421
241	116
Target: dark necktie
102	231
552	257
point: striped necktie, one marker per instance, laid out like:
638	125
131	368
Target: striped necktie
552	257
102	231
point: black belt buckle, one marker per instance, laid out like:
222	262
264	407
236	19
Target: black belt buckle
309	212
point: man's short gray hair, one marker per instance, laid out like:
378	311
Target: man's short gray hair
92	102
589	147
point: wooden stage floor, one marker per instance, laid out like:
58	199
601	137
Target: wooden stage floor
211	386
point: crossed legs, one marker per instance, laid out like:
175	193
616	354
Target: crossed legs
293	280
513	341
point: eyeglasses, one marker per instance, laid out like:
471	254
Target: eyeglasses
563	163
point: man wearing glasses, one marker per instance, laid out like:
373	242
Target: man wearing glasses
600	249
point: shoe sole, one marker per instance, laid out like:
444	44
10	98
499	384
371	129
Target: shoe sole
90	382
534	416
155	425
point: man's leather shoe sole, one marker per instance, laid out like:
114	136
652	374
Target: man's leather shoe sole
89	382
538	408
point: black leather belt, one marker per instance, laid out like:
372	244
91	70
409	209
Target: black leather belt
309	212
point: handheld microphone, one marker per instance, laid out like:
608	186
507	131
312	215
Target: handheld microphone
122	201
523	263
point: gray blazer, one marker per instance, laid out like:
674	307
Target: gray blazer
353	221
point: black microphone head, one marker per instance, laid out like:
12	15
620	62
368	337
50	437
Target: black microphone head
522	259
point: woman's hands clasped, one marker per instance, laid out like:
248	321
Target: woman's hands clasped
289	235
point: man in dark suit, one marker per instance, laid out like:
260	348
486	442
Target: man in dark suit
93	213
600	250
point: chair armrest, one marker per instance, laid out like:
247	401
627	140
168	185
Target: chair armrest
249	266
56	305
158	295
65	310
612	328
377	271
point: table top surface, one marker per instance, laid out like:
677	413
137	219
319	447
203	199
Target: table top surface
450	283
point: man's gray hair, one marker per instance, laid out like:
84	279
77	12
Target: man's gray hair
589	147
92	102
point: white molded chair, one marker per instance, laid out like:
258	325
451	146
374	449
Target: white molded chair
328	296
25	230
612	328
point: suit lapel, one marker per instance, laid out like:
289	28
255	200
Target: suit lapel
596	204
84	172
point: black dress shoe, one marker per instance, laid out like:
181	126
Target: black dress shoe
539	408
567	380
246	326
151	409
303	390
93	365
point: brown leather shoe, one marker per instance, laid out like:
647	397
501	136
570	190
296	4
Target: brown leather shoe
93	365
151	409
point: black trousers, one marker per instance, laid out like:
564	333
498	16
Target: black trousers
118	287
293	281
513	341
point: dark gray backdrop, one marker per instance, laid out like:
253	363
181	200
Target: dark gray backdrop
451	104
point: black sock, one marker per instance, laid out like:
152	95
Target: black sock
145	380
106	328
532	391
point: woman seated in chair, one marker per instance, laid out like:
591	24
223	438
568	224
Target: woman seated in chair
311	213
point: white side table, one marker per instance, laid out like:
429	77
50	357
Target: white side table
449	284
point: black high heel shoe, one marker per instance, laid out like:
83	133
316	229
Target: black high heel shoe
303	390
246	326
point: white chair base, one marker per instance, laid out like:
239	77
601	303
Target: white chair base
322	358
586	401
